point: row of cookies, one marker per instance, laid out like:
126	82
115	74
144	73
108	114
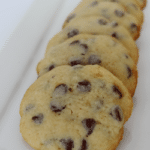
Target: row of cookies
120	19
75	108
76	103
111	21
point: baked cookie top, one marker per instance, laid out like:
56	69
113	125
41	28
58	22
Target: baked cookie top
131	7
88	49
111	11
72	108
96	25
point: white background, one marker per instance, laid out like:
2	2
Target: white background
11	12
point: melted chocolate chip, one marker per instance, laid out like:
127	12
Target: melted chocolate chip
119	13
116	113
114	24
115	35
75	62
84	145
94	3
51	67
133	27
75	42
73	33
84	46
67	143
60	90
117	91
126	56
53	76
84	86
56	106
129	72
70	89
38	119
70	17
102	22
94	59
89	125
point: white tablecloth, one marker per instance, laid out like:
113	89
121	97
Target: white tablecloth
11	13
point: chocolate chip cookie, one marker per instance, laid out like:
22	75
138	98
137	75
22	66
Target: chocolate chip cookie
111	11
96	26
90	50
79	107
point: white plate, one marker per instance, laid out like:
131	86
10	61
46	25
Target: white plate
26	47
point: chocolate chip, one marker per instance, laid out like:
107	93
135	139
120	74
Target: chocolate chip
129	72
70	89
133	27
70	17
119	13
117	91
94	3
84	145
115	35
75	42
114	24
29	107
102	22
53	76
60	90
73	33
51	67
56	106
94	59
67	143
89	125
38	119
84	86
76	61
126	56
84	46
116	113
